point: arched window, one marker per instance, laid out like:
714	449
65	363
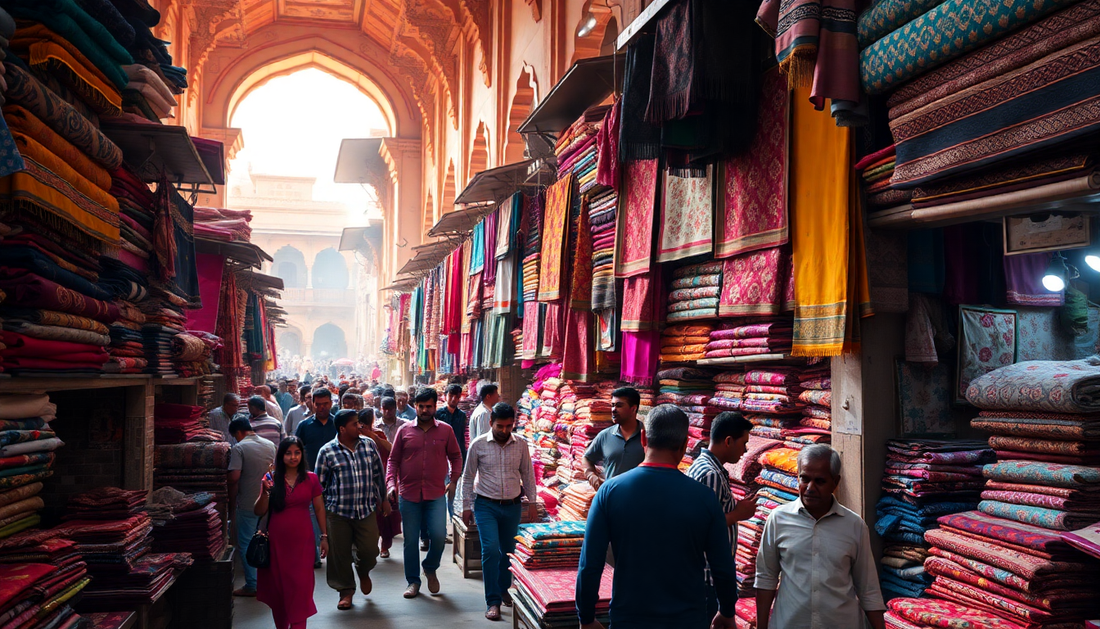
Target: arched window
290	342
330	270
329	342
290	265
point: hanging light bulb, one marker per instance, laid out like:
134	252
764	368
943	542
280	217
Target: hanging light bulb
1093	260
587	25
1054	279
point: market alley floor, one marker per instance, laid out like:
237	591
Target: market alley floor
460	602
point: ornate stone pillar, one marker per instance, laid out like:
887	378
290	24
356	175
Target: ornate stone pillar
403	223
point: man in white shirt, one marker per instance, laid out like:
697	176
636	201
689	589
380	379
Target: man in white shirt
498	474
479	420
817	554
303	410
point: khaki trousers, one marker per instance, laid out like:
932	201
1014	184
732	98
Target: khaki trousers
343	533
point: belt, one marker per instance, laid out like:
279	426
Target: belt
503	503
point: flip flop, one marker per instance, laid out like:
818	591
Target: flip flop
343	605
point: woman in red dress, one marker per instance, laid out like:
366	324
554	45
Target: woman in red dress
286	586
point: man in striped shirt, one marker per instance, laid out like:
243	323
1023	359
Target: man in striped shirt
498	474
265	425
353	479
729	437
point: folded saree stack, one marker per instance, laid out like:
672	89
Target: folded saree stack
576	149
778	484
195	467
694	292
27	447
768	398
576	500
223	224
997	112
924	479
817	416
690	389
187	523
752	339
44	574
549	545
685	342
548	595
1008	558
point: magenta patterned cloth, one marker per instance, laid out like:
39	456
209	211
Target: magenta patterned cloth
756	330
927	612
1055	386
776	377
999	529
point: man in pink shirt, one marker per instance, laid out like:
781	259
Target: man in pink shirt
416	474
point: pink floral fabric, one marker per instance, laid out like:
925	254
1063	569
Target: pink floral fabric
1040	385
635	230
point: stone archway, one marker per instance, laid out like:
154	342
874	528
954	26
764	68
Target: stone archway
429	214
290	264
330	270
522	102
329	342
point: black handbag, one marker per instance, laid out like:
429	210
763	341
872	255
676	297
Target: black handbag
258	554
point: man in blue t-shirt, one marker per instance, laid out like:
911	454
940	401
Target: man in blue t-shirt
663	528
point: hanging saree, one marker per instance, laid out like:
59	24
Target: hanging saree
827	240
554	232
634	233
687	217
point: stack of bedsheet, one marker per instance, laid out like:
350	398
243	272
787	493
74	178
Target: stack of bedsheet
550	594
996	110
187	523
817	416
43	572
576	149
768	398
194	467
685	342
753	339
690	389
602	210
694	292
549	545
575	502
744	473
924	479
778	485
27	448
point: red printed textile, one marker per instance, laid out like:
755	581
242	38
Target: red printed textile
752	198
757	283
635	230
946	615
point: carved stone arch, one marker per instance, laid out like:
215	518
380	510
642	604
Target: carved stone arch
479	152
447	199
522	102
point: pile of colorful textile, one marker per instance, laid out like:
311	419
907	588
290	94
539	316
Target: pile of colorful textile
223	224
602	212
685	342
876	171
127	350
549	545
778	485
177	423
768	398
576	149
187	523
191	355
990	103
27	448
690	389
744	473
648	396
924	479
550	594
754	339
147	91
817	416
195	467
575	502
694	292
42	572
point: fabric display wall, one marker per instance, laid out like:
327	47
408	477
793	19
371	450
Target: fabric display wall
987	120
27	446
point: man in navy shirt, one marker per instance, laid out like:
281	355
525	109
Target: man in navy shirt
663	528
315	432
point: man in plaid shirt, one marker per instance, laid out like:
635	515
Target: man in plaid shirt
353	479
729	436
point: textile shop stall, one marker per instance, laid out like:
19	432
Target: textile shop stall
114	319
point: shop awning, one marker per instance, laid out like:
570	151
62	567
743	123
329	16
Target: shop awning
358	158
152	148
494	185
352	238
588	83
243	252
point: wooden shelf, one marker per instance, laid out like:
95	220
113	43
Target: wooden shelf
70	382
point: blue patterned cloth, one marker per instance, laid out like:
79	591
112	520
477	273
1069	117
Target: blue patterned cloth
10	159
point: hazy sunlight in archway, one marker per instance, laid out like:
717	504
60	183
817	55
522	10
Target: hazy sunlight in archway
293	125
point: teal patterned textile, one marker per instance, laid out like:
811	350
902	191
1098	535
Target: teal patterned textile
1037	473
886	16
944	33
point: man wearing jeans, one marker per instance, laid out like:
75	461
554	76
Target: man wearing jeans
250	458
418	466
498	472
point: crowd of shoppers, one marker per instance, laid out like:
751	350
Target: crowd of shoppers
381	462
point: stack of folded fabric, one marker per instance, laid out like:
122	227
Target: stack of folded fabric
754	339
190	355
187	523
1013	143
816	393
648	397
602	209
549	545
746	613
195	467
127	350
729	390
222	224
876	170
744	473
177	423
112	532
690	389
27	448
685	342
695	289
47	572
924	479
550	595
778	485
575	502
149	92
576	149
